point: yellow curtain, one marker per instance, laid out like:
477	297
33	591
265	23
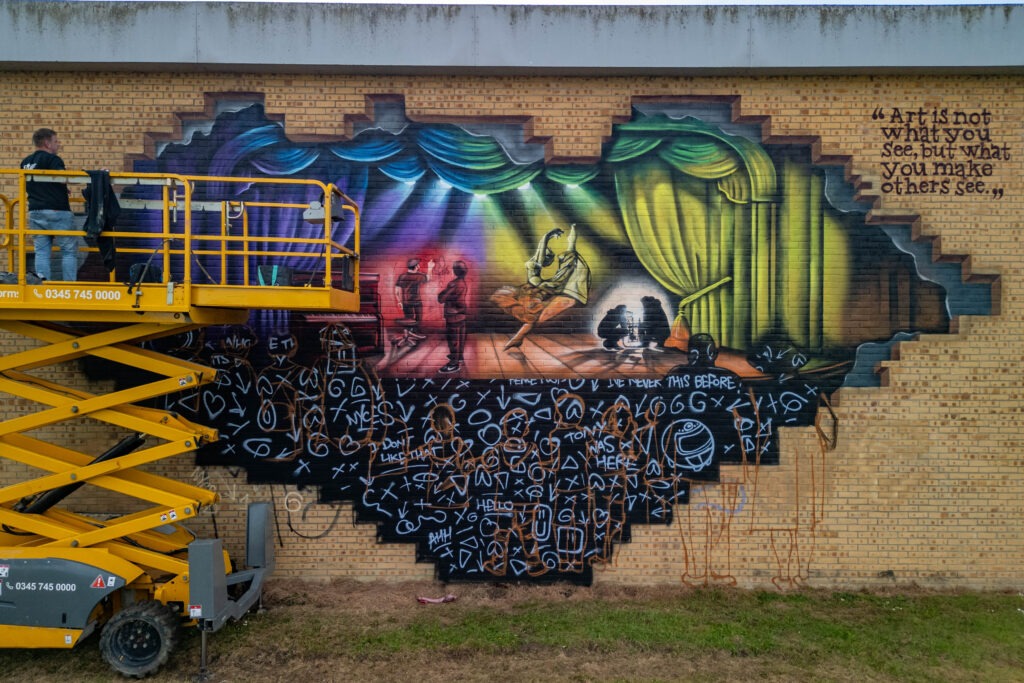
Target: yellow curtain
813	262
689	215
750	245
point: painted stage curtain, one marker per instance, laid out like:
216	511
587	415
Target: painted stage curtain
697	208
748	243
476	164
470	163
813	263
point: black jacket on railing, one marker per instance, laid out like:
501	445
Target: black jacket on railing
101	212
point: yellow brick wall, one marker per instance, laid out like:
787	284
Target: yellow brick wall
926	482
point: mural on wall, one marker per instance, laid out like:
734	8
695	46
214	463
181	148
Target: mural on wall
548	354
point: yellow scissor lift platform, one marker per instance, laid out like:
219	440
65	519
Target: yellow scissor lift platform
200	257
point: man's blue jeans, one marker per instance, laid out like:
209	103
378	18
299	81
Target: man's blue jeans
47	219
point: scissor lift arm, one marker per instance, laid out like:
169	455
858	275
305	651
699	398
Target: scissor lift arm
62	573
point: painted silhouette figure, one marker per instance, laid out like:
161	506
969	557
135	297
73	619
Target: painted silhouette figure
453	297
612	460
540	299
520	515
407	293
654	329
613	328
450	462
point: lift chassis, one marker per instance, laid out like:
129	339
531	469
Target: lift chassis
136	573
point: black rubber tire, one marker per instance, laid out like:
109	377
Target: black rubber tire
138	640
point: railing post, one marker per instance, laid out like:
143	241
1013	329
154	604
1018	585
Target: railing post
187	227
328	229
245	247
22	232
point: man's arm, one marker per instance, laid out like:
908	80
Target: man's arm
446	294
536	264
542	247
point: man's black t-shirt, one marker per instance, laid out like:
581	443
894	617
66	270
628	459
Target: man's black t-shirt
52	196
409	283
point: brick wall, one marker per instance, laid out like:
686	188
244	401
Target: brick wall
926	482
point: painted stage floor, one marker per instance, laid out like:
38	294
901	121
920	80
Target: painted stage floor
541	355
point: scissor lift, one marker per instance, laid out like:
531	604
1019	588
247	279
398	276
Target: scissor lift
200	248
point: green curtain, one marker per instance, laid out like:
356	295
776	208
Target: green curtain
812	267
748	244
697	208
572	174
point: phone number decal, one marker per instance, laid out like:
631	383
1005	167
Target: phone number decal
48	586
73	294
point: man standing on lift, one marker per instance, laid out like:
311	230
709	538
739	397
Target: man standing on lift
50	209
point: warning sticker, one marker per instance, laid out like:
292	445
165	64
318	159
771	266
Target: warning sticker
98	583
195	611
5	571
